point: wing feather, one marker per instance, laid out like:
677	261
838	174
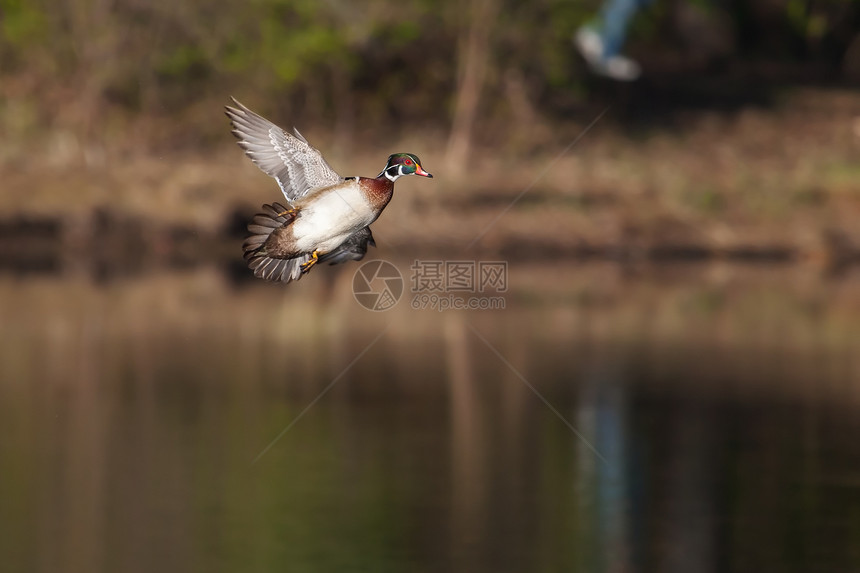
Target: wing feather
352	249
297	166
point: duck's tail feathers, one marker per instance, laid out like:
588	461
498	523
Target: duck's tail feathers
277	270
265	266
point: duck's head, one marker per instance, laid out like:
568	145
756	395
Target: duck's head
401	164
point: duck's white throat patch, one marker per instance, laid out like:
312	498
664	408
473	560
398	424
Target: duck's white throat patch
393	172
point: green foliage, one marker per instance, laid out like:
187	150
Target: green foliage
22	23
386	59
181	61
292	51
807	23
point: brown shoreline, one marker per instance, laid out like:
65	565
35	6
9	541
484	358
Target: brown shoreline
778	185
120	244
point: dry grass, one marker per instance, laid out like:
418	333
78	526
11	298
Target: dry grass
788	177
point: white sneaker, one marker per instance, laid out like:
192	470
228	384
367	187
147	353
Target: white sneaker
619	68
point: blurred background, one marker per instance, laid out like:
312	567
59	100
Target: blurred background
673	383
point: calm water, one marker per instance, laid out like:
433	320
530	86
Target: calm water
703	419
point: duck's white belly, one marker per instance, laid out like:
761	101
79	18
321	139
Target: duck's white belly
330	218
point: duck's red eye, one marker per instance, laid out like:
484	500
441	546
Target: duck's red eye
408	162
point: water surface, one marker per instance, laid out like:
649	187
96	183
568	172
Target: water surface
672	419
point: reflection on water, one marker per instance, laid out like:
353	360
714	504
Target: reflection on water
723	403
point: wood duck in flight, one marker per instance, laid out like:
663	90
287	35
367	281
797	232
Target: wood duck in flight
327	217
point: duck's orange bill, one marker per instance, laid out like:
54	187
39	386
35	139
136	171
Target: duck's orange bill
420	171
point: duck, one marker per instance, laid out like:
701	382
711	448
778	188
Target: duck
325	218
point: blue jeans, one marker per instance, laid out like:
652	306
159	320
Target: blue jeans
615	17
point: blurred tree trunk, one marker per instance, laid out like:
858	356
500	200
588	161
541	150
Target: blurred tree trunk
344	108
473	63
95	38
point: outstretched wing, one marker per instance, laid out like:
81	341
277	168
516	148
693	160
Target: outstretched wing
353	249
291	160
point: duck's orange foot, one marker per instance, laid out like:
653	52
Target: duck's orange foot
313	260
